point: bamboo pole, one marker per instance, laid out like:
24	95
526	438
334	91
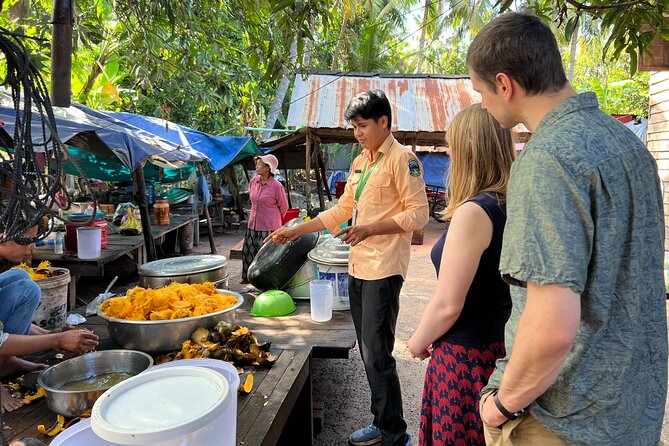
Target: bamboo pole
307	175
205	209
142	202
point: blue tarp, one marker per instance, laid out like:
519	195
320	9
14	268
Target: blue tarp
436	166
220	150
98	129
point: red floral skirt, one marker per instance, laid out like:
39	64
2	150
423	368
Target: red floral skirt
453	382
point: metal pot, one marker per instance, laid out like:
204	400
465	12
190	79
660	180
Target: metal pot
72	403
164	336
188	269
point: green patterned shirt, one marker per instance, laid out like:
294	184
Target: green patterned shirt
585	212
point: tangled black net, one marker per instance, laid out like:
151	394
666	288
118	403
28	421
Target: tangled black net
29	181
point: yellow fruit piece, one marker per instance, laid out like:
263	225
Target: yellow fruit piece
248	385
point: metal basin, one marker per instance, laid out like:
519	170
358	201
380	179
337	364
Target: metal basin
72	403
164	336
188	269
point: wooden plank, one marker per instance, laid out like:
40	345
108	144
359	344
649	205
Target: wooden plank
250	413
275	410
236	251
332	339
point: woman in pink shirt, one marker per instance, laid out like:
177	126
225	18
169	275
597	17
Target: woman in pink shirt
268	206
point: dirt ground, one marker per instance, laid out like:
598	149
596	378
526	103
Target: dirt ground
341	383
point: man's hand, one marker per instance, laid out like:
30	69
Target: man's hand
417	352
490	414
283	235
77	341
354	234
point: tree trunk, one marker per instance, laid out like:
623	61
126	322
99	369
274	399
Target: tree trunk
61	53
281	91
423	32
573	50
340	40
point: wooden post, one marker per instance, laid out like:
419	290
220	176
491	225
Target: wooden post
324	173
285	172
320	181
307	167
61	53
205	209
142	202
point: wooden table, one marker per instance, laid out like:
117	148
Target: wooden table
332	339
117	246
277	411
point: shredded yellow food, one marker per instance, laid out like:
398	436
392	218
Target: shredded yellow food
41	272
175	301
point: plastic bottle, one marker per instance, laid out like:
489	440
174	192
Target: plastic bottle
161	213
58	245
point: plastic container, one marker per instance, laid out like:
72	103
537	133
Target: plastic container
339	188
173	406
150	193
51	312
321	300
331	259
161	213
58	244
80	434
290	214
89	242
230	373
71	234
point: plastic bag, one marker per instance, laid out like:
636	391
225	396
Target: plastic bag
75	319
130	225
92	307
121	211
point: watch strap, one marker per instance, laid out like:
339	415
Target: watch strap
509	415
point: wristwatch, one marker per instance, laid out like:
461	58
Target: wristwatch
503	410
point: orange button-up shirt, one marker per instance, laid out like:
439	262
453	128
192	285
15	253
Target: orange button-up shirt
395	189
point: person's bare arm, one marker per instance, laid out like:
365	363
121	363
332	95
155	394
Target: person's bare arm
284	235
77	341
469	234
545	335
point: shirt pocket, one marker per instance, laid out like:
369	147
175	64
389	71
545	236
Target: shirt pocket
379	191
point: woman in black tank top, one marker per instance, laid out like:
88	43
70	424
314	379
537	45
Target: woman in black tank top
462	329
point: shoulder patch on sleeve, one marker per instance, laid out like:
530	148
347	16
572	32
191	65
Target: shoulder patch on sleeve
414	168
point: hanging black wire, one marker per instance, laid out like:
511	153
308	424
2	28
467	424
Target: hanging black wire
30	172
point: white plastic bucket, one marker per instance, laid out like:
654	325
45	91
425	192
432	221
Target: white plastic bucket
89	242
51	312
338	275
321	300
80	434
230	373
176	406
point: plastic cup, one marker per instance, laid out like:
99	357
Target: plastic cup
89	242
322	296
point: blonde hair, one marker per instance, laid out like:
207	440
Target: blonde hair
481	156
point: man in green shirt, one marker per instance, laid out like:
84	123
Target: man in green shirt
583	248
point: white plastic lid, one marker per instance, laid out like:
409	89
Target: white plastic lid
160	405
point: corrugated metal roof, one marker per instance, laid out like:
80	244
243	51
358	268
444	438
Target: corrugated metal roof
420	103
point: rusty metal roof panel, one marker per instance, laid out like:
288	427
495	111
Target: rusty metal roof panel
420	103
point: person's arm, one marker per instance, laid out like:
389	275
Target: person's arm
469	234
281	199
75	340
284	235
545	335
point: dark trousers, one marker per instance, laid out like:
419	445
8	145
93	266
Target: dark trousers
374	308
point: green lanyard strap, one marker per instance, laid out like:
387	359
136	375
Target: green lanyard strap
364	176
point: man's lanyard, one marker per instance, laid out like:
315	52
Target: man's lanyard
364	176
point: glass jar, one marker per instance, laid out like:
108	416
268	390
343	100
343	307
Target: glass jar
161	213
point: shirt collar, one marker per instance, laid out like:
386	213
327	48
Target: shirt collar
569	105
389	141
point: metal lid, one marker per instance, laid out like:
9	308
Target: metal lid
182	265
330	251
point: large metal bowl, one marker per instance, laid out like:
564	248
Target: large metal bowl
72	403
164	336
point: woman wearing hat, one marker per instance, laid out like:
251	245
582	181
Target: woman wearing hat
268	206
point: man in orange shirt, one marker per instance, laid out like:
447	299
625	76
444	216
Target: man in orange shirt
385	198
